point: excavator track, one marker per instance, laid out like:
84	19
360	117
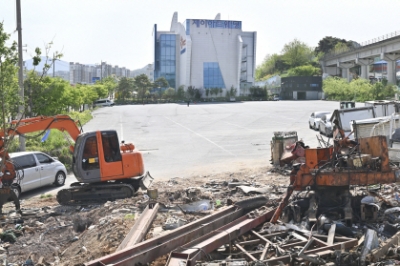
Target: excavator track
88	194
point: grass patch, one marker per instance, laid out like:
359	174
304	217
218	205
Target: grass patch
129	216
46	196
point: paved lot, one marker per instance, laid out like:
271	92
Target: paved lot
177	140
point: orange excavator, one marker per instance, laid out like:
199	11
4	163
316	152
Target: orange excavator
106	169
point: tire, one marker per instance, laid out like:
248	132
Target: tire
309	125
315	127
60	179
17	190
252	203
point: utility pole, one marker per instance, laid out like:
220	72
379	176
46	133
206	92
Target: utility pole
20	73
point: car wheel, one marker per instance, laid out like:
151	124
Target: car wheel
309	125
315	127
17	190
60	179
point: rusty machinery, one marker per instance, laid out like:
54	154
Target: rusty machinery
328	174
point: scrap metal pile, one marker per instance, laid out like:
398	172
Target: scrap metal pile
342	207
339	209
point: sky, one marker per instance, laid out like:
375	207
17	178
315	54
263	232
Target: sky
119	32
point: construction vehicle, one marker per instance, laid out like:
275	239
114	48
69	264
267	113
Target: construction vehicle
328	174
106	170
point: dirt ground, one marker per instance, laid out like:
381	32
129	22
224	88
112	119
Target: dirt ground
51	234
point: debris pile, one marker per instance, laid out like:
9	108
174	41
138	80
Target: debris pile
59	235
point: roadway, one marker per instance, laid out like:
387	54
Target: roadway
205	138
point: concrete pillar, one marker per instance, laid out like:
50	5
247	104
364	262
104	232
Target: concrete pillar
346	73
391	72
345	66
364	72
391	59
364	63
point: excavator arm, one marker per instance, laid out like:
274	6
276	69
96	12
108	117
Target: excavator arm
28	125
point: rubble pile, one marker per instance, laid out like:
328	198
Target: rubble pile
50	234
61	235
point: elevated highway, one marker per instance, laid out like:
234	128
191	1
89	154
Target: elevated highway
386	47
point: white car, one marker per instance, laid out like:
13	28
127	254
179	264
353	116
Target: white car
313	120
103	102
325	125
36	169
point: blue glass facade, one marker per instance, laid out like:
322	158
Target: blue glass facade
165	58
212	77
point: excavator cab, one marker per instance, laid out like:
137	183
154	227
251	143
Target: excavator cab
97	157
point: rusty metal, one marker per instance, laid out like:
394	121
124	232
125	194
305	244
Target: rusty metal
375	146
319	248
282	204
197	249
245	252
336	246
140	228
151	249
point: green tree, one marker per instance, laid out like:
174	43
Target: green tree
181	92
272	64
341	47
296	53
74	97
101	90
45	95
125	88
328	43
159	84
169	93
89	93
9	90
142	84
358	90
337	88
306	70
110	84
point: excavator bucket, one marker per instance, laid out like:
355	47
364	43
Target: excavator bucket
146	181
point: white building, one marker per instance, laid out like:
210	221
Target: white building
205	54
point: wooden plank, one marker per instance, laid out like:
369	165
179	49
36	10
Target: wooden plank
381	251
140	228
299	237
331	235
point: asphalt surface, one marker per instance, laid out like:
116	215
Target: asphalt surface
204	138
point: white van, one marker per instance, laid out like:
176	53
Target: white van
36	169
103	102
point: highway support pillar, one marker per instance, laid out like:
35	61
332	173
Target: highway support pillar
391	59
345	66
364	63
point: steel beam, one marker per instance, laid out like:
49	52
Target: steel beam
197	249
153	248
140	228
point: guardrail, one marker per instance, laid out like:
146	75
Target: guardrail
361	45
